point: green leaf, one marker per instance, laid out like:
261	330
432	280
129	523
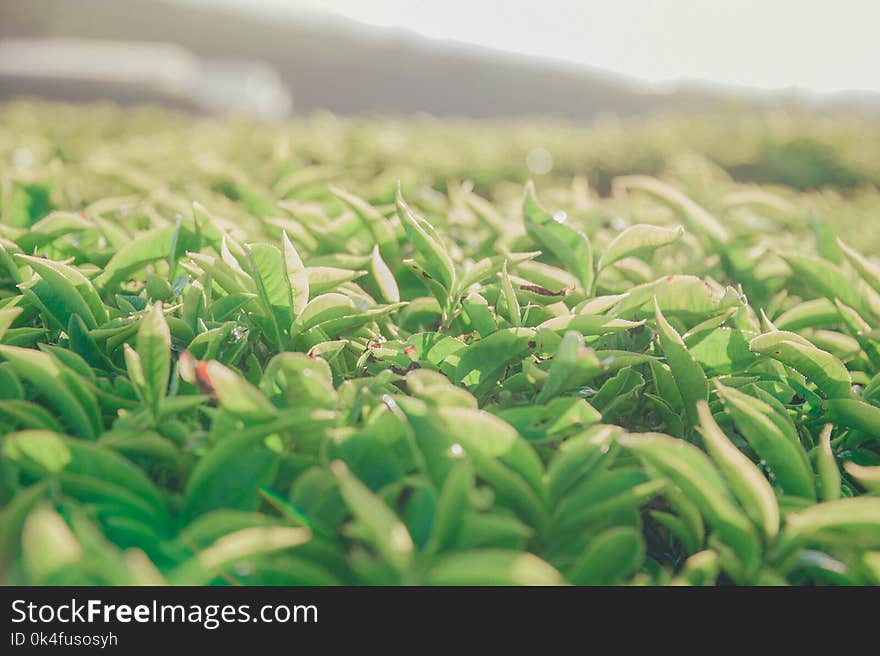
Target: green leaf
690	379
853	413
692	471
701	569
72	288
28	415
433	256
505	461
154	353
638	240
610	558
867	477
325	278
597	498
42	451
268	270
340	325
483	363
51	227
826	371
577	458
141	250
487	267
453	502
571	247
589	325
508	300
477	429
383	529
231	474
321	309
867	269
135	370
55	382
617	390
679	296
492	567
82	343
379	226
12	520
825	278
565	362
477	309
238	545
553	421
48	544
851	521
7	316
721	350
236	395
297	274
46	453
300	379
747	483
698	219
815	312
826	467
773	437
383	277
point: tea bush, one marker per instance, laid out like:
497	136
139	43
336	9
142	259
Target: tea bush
371	351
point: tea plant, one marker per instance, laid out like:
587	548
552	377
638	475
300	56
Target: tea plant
371	352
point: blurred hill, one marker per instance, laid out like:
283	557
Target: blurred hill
340	66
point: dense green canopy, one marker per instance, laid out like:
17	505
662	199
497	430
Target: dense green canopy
370	351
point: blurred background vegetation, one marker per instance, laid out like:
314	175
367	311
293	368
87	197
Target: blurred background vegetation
276	86
834	161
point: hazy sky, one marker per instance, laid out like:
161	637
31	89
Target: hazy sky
818	45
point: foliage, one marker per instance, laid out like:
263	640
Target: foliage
372	352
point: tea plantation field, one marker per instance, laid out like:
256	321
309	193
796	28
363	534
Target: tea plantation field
410	351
